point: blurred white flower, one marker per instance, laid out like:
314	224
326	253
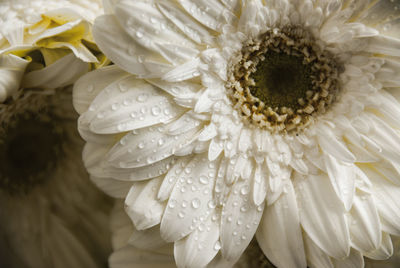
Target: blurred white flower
49	39
50	213
223	118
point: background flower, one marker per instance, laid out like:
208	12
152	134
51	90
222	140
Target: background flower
51	215
207	151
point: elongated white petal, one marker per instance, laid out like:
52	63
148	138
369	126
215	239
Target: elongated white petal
322	214
185	23
61	73
142	205
148	239
280	229
365	227
135	104
89	86
384	251
239	221
213	18
122	49
200	247
11	70
316	257
342	177
354	260
191	199
147	146
170	178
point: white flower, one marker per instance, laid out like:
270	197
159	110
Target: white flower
50	213
223	118
50	39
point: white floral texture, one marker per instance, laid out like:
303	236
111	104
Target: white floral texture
59	29
162	133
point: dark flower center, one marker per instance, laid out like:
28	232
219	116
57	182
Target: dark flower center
30	145
282	80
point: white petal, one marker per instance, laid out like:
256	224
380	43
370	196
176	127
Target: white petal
146	146
200	247
387	196
215	149
333	146
315	256
259	184
89	86
210	13
322	215
155	32
354	260
123	172
176	89
240	219
384	251
188	70
121	49
383	45
185	23
130	104
12	69
63	72
149	239
365	227
142	205
170	179
342	177
280	235
191	199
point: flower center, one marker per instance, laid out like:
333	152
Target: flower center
30	143
282	80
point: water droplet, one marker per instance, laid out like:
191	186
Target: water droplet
234	233
142	97
172	203
115	106
184	203
155	110
243	208
212	204
141	145
244	190
133	114
204	179
217	245
196	203
188	170
139	34
181	214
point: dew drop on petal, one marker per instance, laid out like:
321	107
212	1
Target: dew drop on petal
204	179
181	214
172	203
217	246
155	110
196	203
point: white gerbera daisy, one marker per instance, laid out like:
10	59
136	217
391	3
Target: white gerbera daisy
231	117
50	213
